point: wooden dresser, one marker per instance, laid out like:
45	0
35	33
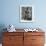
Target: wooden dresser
23	39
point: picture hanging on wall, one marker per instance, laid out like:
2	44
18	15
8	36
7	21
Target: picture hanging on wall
26	13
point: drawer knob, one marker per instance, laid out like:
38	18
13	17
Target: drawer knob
33	39
11	38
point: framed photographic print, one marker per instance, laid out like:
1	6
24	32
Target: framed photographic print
26	13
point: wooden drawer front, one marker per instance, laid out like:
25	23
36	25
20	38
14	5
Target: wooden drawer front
27	41
5	40
13	33
33	33
12	44
37	39
8	45
37	45
12	39
33	40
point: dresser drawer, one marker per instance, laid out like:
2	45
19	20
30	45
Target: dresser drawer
37	44
37	39
8	45
13	33
13	44
12	39
34	33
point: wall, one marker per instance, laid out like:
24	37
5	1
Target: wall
10	13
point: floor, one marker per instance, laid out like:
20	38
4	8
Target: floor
0	44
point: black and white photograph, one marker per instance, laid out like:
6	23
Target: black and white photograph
26	13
